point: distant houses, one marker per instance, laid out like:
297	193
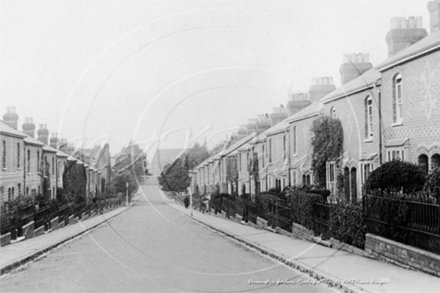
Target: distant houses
39	167
389	111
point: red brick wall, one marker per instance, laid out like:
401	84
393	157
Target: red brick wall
420	105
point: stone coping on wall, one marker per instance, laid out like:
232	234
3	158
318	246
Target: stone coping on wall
402	254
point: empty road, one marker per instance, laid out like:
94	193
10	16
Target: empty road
153	248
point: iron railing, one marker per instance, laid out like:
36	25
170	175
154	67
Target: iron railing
413	223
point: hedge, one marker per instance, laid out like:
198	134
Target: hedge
347	224
301	204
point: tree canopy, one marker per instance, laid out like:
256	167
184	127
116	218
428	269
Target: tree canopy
174	176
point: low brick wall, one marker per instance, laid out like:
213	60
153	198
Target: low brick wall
74	221
283	232
61	224
70	220
249	223
54	223
39	231
5	239
238	218
301	232
28	230
261	223
402	255
346	247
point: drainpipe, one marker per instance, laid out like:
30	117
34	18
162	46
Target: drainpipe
377	86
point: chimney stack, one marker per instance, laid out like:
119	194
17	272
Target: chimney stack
43	133
29	127
297	102
70	148
434	15
63	145
321	86
54	140
263	123
354	65
404	32
278	115
11	118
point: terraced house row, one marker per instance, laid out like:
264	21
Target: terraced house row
388	111
32	166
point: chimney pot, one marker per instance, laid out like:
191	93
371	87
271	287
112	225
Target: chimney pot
410	32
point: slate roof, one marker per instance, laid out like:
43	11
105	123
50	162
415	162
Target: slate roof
430	42
5	129
361	82
237	144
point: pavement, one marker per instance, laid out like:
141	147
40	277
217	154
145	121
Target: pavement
347	271
17	254
344	270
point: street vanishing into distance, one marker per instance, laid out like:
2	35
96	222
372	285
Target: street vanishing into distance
152	247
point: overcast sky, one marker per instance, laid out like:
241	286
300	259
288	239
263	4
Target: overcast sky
164	73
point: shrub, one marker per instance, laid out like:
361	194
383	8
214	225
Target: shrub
395	176
432	184
301	204
347	224
262	203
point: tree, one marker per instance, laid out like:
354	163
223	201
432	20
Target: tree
119	183
131	161
74	182
327	144
175	176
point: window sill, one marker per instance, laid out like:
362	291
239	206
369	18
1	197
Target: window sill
369	140
399	123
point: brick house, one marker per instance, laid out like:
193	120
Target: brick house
13	163
299	144
356	105
410	107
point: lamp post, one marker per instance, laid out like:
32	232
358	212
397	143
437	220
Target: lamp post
126	188
191	203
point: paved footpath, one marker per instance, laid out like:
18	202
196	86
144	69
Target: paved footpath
14	255
353	272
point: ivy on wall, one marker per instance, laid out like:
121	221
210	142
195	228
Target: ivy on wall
232	172
327	145
74	182
255	171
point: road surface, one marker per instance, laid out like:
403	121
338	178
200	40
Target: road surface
154	248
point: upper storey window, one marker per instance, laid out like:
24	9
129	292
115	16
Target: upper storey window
333	112
368	117
397	99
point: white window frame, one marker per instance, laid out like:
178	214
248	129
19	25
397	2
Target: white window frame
395	153
398	98
369	117
366	169
270	151
284	147
331	176
294	140
333	112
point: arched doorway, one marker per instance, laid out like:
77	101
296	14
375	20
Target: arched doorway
423	162
353	184
347	183
435	161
